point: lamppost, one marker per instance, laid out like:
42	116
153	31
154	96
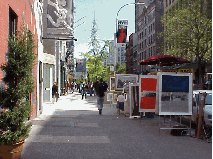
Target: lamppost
115	51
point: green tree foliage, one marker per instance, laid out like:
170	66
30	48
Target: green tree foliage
188	31
96	56
15	100
121	68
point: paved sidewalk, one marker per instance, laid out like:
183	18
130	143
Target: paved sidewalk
73	105
73	129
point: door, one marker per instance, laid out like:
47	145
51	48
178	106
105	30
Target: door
48	82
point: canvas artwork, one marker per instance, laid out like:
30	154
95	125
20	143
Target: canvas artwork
114	101
112	83
109	96
134	99
122	79
174	94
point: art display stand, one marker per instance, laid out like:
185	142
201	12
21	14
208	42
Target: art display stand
174	98
172	127
134	101
147	93
126	104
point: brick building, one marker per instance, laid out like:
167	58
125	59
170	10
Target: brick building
148	26
13	13
130	58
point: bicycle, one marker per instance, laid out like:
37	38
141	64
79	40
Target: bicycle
206	133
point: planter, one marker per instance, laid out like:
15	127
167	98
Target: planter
12	151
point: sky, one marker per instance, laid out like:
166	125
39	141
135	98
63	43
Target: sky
104	11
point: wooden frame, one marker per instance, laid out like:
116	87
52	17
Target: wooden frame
120	79
112	84
109	96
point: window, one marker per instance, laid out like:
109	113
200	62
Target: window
145	43
151	51
142	34
153	25
145	32
149	29
12	21
145	54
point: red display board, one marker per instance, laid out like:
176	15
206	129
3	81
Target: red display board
147	93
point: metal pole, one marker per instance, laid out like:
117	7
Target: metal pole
200	117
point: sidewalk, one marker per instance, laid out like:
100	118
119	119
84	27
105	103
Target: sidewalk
73	105
74	129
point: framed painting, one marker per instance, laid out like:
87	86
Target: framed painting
115	95
123	79
109	96
112	84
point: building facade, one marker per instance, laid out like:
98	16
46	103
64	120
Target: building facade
130	50
57	30
13	14
148	26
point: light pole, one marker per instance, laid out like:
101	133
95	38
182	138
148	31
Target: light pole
116	31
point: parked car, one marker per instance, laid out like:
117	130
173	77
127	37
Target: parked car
207	109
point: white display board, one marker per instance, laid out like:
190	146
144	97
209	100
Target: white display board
109	96
174	93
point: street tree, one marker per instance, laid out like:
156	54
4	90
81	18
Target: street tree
188	31
121	68
96	56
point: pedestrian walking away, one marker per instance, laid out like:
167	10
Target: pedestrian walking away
55	92
100	88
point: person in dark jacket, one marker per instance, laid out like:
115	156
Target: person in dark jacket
100	88
55	92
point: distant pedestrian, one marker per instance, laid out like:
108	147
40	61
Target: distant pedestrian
81	87
72	85
55	92
84	90
91	88
66	87
100	88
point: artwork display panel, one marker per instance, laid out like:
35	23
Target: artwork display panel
174	93
122	79
134	99
112	84
115	96
109	96
147	87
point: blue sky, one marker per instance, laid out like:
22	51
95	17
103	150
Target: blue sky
105	15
